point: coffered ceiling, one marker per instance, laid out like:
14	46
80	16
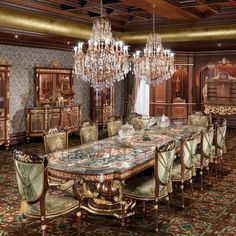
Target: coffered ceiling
183	24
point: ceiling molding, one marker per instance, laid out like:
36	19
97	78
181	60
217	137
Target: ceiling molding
25	21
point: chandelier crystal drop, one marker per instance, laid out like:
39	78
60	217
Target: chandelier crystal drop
156	65
105	61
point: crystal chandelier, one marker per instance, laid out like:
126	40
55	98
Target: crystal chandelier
105	61
156	65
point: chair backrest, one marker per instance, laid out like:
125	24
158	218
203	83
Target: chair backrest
113	127
55	140
206	141
133	115
88	133
198	119
220	130
164	162
188	149
137	123
31	175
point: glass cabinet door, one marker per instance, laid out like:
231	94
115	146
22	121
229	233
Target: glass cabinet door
2	93
108	97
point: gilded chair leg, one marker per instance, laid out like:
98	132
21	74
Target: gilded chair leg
156	215
78	218
192	190
143	207
168	205
208	174
221	166
216	168
122	213
23	224
182	193
201	178
43	225
43	228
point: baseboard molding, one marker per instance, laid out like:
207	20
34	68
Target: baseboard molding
17	138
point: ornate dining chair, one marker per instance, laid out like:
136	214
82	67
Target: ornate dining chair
219	147
88	132
136	121
114	125
31	175
198	119
148	188
55	140
133	115
183	167
203	155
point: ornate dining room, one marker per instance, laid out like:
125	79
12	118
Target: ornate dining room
117	117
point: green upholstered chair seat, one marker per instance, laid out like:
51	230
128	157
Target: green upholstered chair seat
176	173
55	205
197	161
143	188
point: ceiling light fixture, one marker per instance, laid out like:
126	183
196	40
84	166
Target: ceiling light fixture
105	61
156	65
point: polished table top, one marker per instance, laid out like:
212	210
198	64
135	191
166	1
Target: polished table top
115	157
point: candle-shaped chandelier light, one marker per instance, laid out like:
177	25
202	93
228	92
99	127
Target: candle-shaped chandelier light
105	61
156	65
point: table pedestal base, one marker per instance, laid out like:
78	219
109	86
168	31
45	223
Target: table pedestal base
103	207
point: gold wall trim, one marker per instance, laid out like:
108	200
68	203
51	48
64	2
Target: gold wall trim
20	20
16	19
208	33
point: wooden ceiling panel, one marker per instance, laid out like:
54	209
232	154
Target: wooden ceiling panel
164	8
127	15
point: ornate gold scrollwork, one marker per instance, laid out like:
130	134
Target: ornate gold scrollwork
55	64
118	185
87	193
102	201
220	109
3	61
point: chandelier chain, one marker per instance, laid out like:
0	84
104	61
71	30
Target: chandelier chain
153	19
101	9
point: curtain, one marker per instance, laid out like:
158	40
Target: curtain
142	99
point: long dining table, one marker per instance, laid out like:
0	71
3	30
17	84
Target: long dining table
104	165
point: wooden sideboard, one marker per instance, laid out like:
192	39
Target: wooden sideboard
40	119
4	105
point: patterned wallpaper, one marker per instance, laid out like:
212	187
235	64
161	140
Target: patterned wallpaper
23	61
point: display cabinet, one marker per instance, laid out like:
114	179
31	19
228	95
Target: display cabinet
54	86
102	105
219	95
54	106
217	82
174	97
4	105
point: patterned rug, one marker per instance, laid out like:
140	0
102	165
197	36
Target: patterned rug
211	212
